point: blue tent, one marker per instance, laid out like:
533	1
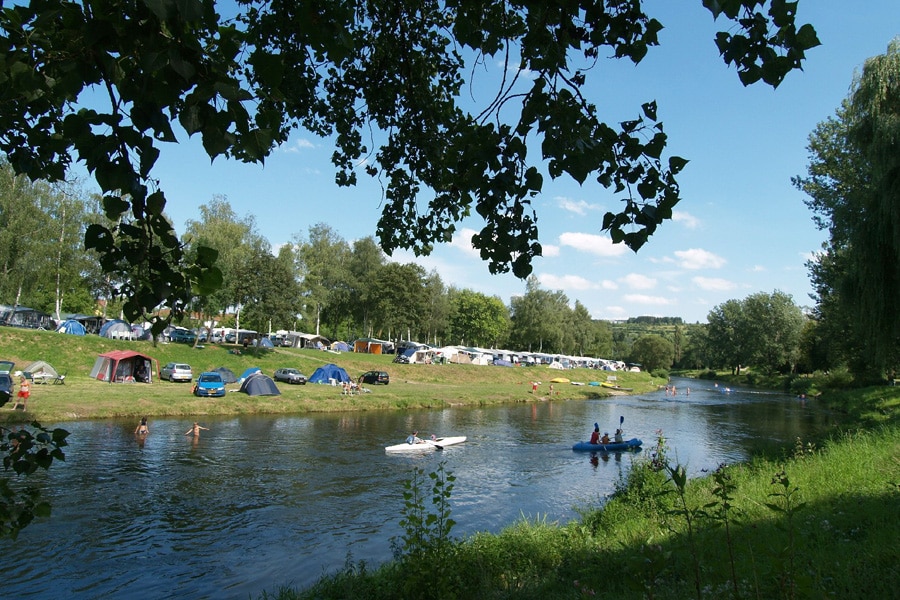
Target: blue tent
116	328
71	326
249	372
327	373
266	343
260	385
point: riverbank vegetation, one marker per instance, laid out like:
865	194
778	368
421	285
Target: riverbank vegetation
823	520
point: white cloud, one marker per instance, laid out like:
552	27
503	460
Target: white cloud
463	241
549	250
566	282
300	144
637	281
714	284
648	300
614	313
579	207
593	244
696	258
686	219
758	269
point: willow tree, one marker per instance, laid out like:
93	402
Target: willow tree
854	187
107	83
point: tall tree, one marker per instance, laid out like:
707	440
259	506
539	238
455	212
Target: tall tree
345	69
366	258
773	326
479	320
853	180
653	352
401	305
726	335
325	278
233	238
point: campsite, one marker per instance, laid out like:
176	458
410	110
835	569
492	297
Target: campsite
412	385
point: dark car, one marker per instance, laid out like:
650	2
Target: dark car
184	336
290	376
6	381
375	377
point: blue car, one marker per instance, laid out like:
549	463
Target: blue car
210	384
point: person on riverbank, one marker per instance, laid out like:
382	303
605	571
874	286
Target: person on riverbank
142	428
195	430
595	435
23	395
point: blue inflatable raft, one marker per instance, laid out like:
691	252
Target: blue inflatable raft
631	444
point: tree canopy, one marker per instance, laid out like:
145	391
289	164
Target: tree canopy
106	83
853	183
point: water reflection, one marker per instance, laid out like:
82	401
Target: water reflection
257	502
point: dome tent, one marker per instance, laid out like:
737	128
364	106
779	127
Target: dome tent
227	374
247	373
259	384
328	373
116	329
71	326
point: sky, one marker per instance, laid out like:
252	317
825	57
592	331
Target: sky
741	227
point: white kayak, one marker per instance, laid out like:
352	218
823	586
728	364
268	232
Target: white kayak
426	444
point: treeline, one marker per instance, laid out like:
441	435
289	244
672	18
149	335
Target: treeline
320	283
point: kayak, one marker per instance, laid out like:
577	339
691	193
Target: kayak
436	444
631	444
613	386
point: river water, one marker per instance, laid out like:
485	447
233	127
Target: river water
260	502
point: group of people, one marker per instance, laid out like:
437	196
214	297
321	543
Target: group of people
415	439
596	438
143	429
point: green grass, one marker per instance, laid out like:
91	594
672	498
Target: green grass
411	387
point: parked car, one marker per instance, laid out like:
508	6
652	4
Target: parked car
210	383
290	376
375	377
184	336
6	381
177	372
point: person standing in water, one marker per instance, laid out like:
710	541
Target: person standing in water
195	430
142	428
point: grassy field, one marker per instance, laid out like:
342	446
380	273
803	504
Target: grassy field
411	387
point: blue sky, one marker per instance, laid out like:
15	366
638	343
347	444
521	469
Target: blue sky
741	227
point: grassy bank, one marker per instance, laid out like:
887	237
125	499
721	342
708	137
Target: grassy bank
411	387
822	521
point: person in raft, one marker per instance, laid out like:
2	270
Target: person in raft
619	436
595	435
605	438
195	430
142	428
414	438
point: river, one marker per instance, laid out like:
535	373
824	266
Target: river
264	501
